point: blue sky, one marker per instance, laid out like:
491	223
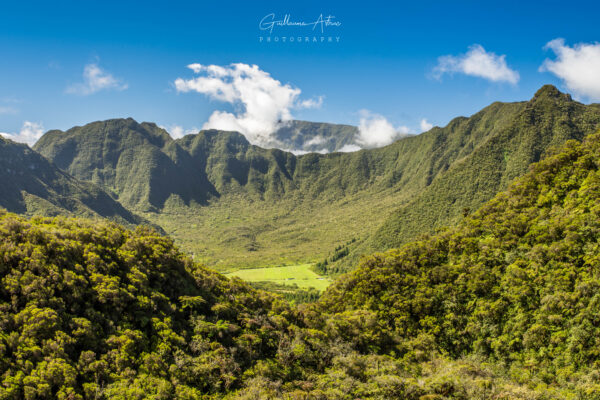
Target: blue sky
387	60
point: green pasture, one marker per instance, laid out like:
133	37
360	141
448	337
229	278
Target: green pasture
301	275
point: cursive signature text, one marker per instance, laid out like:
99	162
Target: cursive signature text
269	22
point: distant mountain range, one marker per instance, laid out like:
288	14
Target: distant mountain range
143	166
305	136
230	203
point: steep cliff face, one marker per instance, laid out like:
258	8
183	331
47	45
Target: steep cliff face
33	185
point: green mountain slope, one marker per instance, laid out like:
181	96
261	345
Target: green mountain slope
32	185
139	163
548	120
515	284
107	153
234	204
502	306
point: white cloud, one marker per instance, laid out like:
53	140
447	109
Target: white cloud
315	140
577	66
299	152
375	130
349	148
261	103
94	80
425	125
8	110
29	133
177	131
477	62
312	103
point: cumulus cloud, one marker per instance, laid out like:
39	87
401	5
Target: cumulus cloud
95	79
375	130
177	131
29	133
425	125
261	103
577	66
477	62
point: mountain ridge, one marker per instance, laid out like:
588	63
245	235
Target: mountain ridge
297	205
549	119
33	185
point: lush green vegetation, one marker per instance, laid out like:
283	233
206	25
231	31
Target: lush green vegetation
503	306
234	232
339	253
301	275
233	205
32	185
95	310
516	283
548	120
290	292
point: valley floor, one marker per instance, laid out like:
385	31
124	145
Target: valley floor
301	275
235	233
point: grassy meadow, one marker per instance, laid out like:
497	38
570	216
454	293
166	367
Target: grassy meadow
301	275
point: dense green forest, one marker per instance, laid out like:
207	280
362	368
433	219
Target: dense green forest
92	309
505	305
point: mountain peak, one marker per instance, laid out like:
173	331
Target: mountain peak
551	92
216	133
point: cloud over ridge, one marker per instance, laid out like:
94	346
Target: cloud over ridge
261	103
29	133
376	131
577	66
